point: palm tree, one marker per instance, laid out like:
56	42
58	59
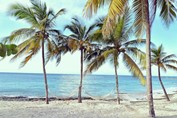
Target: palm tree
79	40
39	34
164	62
7	49
115	47
143	23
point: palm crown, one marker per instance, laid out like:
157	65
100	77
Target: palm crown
41	20
118	44
161	59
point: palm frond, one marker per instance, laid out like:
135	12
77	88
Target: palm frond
168	57
97	36
93	54
133	68
89	30
73	29
95	64
20	34
22	12
99	60
128	25
55	51
39	8
153	9
170	61
51	46
60	12
118	31
34	46
168	11
137	54
74	36
141	15
135	43
171	67
116	8
32	49
26	47
54	33
92	6
27	58
22	48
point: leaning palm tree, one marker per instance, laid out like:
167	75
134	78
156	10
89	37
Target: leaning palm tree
79	40
145	12
115	47
164	62
39	34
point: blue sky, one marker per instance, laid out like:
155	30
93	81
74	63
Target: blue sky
70	63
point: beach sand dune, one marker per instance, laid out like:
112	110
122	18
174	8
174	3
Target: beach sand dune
87	109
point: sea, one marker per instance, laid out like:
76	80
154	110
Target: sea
66	85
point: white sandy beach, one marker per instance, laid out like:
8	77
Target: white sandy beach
88	109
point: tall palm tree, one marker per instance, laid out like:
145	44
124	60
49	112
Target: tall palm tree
143	23
164	62
7	50
115	47
79	40
39	34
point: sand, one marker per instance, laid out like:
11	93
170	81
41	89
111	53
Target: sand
89	108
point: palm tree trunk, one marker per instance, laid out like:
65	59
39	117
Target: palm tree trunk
117	84
166	95
148	64
81	74
44	71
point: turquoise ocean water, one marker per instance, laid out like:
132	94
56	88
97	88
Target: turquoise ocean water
66	85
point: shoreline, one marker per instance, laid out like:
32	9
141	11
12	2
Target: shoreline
123	96
69	108
23	98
